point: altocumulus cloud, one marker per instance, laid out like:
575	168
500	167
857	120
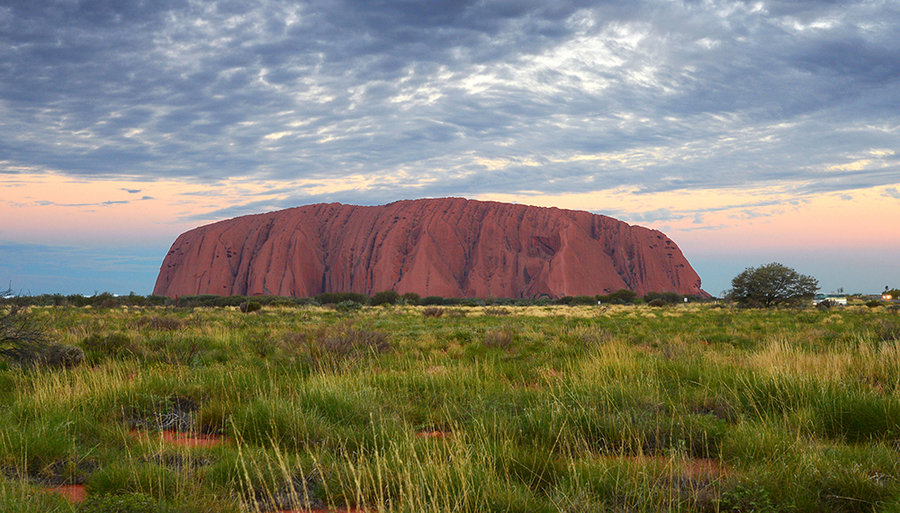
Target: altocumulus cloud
455	97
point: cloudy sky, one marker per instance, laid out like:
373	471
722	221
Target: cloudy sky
748	131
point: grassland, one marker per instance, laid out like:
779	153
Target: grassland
531	409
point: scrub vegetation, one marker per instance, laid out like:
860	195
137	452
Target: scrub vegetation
695	407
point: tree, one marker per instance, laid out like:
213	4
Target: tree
772	284
21	339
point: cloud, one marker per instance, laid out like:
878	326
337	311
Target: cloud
654	96
47	203
892	192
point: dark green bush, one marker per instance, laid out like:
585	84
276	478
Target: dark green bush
104	300
348	306
411	298
114	344
155	300
78	300
619	297
250	306
63	355
665	297
657	302
22	339
746	497
387	297
334	298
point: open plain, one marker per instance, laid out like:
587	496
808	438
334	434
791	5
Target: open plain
413	409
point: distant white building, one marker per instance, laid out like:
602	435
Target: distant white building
833	298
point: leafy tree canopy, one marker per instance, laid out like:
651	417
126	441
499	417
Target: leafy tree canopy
772	284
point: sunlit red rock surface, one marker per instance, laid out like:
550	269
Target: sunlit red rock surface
447	247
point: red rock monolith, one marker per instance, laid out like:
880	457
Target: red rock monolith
449	247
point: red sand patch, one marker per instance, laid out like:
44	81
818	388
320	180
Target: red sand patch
72	493
182	439
324	510
704	467
433	434
693	467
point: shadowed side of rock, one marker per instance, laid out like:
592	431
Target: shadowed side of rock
448	247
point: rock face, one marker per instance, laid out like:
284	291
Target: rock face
447	247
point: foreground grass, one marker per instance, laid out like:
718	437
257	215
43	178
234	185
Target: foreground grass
515	409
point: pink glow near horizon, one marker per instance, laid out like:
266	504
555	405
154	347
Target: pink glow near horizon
49	208
720	232
711	220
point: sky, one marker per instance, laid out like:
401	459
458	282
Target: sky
748	131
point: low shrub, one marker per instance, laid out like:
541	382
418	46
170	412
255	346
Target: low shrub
348	306
502	338
334	298
134	478
114	344
104	300
857	417
411	298
496	311
345	339
387	297
122	503
433	311
888	331
665	297
22	339
63	356
160	323
175	412
212	417
328	347
250	306
746	497
658	302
